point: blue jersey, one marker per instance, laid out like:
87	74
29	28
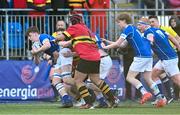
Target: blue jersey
140	45
161	45
54	47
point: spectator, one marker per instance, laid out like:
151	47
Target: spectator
37	17
59	4
77	4
174	22
21	4
57	15
98	19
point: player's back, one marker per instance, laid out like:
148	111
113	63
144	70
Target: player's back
140	45
161	45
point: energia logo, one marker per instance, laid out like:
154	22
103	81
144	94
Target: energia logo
24	93
27	74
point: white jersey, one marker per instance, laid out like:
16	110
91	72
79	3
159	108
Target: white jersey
62	60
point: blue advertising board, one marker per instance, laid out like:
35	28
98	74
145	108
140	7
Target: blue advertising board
115	78
23	80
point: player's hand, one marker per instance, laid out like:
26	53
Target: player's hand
103	39
104	47
63	43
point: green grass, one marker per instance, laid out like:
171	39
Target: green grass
47	108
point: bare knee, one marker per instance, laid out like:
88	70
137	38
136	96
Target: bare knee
156	74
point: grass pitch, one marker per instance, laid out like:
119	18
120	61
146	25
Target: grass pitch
51	108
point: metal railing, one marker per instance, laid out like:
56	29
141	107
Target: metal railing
15	45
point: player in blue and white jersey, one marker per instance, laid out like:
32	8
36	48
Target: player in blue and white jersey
142	58
48	47
160	44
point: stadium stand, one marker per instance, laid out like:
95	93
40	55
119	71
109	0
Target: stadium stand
16	39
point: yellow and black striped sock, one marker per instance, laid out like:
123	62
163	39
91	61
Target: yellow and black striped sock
85	94
106	91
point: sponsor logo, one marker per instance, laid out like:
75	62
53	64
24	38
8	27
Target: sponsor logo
27	74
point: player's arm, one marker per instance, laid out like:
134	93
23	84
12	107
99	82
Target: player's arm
46	45
107	41
114	44
64	43
36	59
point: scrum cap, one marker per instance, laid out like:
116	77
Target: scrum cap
75	19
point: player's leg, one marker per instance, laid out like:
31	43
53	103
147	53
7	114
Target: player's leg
168	86
138	65
160	99
105	89
79	78
105	66
68	80
57	82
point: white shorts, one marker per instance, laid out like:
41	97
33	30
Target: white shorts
105	66
169	66
61	61
141	64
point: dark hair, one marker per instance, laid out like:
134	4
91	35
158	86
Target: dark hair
153	16
75	19
176	20
32	29
125	17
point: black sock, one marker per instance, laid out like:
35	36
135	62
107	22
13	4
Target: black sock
168	86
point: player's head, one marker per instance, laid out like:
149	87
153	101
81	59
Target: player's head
59	31
123	20
142	24
154	22
61	24
33	33
75	19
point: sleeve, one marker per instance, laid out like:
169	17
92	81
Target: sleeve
70	32
126	32
43	38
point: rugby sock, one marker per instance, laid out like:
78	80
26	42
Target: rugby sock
60	87
141	89
160	86
107	91
168	86
155	90
85	94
